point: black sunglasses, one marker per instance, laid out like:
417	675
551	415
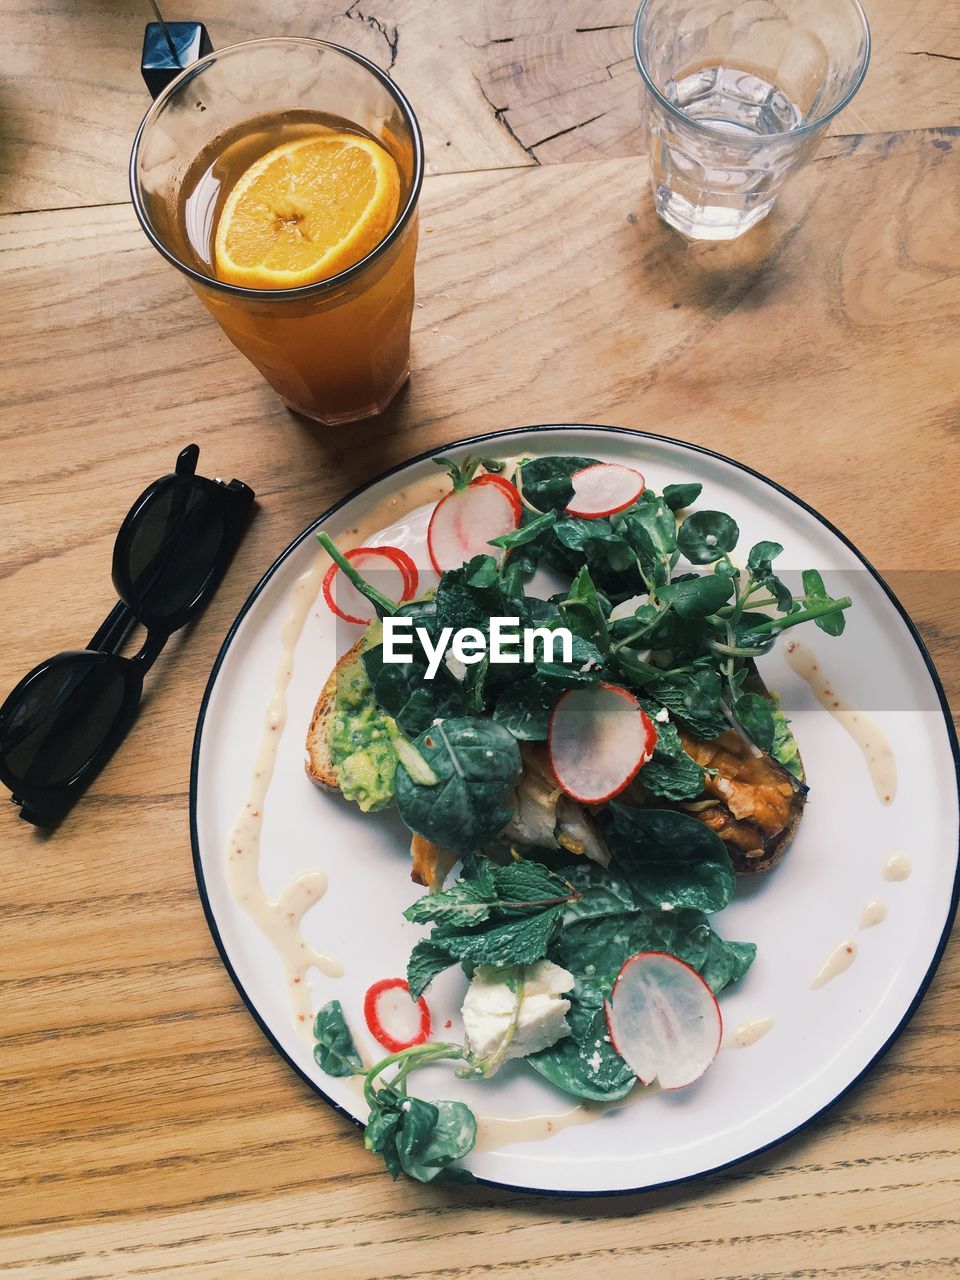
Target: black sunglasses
64	720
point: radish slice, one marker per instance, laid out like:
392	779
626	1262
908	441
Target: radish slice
599	738
663	1019
604	489
407	567
464	521
395	1020
510	489
388	569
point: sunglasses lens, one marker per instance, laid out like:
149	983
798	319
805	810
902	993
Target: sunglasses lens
173	550
54	725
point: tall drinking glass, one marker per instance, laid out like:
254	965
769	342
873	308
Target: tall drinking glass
737	95
335	350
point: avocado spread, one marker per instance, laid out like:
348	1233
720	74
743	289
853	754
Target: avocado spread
361	741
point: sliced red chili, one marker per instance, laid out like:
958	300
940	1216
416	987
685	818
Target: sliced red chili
371	1013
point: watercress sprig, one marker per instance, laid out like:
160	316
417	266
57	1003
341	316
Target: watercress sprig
380	602
412	1136
461	473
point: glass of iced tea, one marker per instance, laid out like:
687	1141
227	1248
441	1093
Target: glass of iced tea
282	177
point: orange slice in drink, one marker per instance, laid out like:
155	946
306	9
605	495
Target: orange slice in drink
305	211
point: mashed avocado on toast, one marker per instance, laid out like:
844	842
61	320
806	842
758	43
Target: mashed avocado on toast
361	736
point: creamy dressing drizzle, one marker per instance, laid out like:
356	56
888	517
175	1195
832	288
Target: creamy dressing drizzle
897	867
750	1032
494	1132
874	912
864	730
839	959
280	921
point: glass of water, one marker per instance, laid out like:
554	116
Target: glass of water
737	94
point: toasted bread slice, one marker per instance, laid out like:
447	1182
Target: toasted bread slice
319	761
751	849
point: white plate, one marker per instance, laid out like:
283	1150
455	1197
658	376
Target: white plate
822	1040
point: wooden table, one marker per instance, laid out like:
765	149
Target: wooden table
147	1128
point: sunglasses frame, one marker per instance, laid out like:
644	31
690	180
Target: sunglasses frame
46	804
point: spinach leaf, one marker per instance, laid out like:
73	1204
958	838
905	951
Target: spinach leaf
670	857
594	950
564	1066
545	482
726	962
403	691
335	1052
600	1063
671	774
477	763
707	535
525	708
678	496
584	668
593	947
755	714
602	892
596	947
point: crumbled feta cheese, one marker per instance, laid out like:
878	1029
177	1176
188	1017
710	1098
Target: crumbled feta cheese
490	1006
627	608
593	1062
711	539
456	668
662	716
666	906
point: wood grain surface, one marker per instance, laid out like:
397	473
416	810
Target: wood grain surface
493	82
147	1129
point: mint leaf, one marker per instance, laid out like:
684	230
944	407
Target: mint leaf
463	903
427	959
671	774
523	940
